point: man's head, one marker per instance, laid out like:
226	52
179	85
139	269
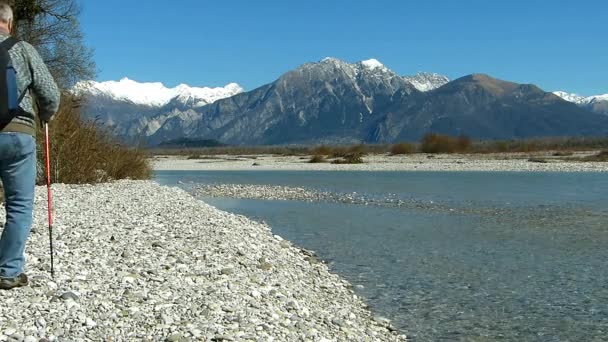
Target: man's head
6	17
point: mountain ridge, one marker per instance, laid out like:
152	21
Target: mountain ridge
334	101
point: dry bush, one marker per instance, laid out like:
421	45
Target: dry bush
463	144
349	152
439	143
290	150
560	144
562	154
339	152
360	149
232	150
402	148
322	150
351	158
317	159
82	152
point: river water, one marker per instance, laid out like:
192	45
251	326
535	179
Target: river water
490	256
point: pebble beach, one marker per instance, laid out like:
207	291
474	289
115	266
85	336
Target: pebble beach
138	261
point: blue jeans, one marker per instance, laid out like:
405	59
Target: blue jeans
18	174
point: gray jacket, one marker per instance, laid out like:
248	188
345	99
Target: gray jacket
32	72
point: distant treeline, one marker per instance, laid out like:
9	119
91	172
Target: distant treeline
430	143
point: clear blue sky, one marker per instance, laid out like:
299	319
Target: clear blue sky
558	45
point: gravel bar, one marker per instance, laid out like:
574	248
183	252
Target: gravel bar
497	162
138	261
275	192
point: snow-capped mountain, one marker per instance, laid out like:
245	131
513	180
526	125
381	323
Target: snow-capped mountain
596	103
154	94
425	81
137	110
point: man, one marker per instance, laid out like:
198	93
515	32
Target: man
18	151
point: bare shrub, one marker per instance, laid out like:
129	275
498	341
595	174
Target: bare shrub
317	159
402	148
351	158
82	152
322	150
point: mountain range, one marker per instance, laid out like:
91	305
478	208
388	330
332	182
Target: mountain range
333	101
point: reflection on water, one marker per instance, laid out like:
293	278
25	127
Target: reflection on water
526	262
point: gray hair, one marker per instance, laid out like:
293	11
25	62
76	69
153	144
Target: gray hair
6	12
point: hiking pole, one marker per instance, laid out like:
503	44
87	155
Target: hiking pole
48	192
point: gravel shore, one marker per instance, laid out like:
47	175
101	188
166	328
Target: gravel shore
137	261
541	161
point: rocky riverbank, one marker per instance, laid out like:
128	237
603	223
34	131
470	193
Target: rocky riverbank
529	162
137	261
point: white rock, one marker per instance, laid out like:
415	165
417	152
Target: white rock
255	294
90	323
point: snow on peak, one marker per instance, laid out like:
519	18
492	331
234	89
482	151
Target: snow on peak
373	64
370	64
330	60
581	100
206	95
425	81
154	94
570	97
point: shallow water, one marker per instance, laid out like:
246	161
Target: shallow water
523	257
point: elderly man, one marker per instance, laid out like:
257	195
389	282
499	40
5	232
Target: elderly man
30	78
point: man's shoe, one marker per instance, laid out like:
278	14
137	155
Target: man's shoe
9	283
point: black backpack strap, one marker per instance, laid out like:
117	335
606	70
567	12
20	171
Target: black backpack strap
20	98
8	43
